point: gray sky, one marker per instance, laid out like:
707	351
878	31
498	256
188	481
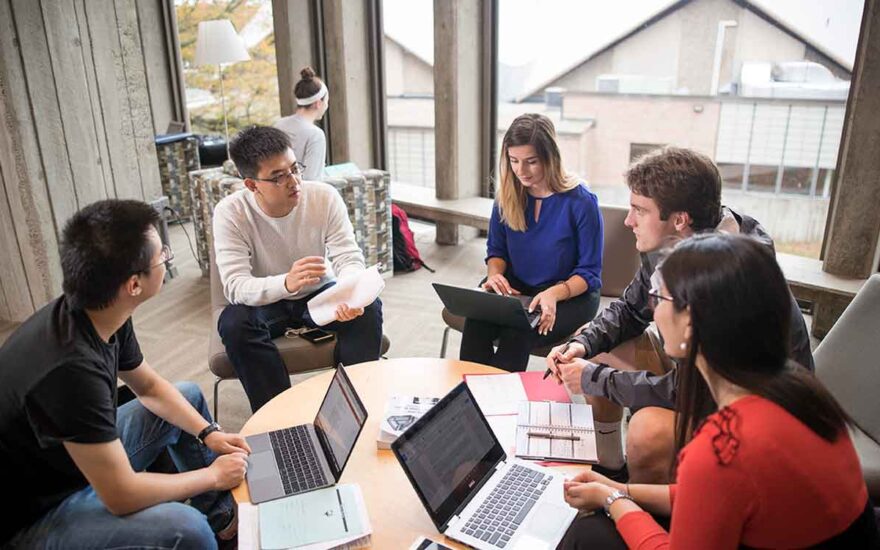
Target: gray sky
559	32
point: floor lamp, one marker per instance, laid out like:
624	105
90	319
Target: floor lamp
218	43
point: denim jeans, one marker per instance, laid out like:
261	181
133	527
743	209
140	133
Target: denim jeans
247	333
82	521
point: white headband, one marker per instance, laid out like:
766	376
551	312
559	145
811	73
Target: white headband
309	100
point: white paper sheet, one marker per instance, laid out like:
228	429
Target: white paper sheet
355	290
497	393
504	428
248	527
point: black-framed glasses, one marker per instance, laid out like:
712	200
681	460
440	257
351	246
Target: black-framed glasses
654	297
285	178
166	255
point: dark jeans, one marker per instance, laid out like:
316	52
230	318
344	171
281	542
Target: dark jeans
590	531
82	521
514	345
247	332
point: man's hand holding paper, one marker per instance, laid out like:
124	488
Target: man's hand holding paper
346	299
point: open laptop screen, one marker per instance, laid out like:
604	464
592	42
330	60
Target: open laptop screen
340	420
447	454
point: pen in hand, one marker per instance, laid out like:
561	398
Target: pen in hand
561	352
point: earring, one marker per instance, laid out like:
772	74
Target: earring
683	346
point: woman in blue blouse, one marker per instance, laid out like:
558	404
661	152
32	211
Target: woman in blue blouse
545	241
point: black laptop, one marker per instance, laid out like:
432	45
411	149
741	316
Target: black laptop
474	303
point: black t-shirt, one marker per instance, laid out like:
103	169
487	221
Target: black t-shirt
57	384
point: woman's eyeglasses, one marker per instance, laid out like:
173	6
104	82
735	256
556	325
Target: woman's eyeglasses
654	298
285	178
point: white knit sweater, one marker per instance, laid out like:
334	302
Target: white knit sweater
254	251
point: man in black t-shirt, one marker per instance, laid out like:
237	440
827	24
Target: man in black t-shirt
79	460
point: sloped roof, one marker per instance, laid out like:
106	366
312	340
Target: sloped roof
663	12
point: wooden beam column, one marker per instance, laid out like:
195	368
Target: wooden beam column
457	104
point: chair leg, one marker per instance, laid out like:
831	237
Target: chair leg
445	341
217	381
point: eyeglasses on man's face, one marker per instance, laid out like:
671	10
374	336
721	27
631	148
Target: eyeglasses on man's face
654	297
285	178
165	256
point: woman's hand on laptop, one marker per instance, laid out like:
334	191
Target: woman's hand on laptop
547	302
498	284
586	496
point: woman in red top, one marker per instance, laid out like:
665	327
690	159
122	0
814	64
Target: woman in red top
769	463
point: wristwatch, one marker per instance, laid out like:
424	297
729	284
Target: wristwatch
209	429
613	497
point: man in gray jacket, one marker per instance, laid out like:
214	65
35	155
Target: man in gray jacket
674	193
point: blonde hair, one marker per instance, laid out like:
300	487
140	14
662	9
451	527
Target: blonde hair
538	131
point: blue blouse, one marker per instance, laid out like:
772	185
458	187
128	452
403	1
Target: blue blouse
566	240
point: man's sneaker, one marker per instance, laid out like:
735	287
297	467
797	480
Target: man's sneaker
620	475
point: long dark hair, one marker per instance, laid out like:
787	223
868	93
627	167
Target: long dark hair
740	314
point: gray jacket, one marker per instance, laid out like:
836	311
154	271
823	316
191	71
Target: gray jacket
630	315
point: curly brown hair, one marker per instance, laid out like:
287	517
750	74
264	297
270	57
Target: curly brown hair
679	180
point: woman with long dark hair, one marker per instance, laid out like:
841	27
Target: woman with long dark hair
545	242
765	457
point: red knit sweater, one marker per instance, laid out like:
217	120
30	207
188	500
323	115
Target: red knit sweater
754	475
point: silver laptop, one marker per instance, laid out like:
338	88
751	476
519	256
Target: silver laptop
309	456
472	492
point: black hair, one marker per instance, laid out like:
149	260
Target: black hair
103	245
740	311
255	144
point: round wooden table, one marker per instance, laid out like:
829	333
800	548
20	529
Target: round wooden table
396	514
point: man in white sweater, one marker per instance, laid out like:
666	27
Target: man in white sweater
277	243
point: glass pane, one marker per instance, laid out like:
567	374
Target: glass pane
731	175
409	90
250	87
796	180
762	178
722	78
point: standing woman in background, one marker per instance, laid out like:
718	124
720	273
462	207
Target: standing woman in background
545	241
309	142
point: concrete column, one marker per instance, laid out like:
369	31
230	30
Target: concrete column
295	42
349	78
457	103
851	246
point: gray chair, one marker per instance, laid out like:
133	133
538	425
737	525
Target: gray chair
299	354
620	261
847	363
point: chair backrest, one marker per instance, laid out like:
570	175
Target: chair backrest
620	259
218	299
848	359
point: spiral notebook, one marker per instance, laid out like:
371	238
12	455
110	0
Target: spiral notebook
557	432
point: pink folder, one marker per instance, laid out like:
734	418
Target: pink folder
538	389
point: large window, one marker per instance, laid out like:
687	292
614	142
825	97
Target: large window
761	92
250	87
409	89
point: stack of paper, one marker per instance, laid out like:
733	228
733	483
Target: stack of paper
355	290
331	518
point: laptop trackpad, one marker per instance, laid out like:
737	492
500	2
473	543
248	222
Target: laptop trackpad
546	524
261	466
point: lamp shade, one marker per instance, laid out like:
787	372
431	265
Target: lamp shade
219	43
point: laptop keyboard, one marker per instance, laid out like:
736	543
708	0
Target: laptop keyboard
297	463
496	520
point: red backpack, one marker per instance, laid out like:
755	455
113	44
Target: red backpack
406	255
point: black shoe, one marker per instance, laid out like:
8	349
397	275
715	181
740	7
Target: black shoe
620	475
